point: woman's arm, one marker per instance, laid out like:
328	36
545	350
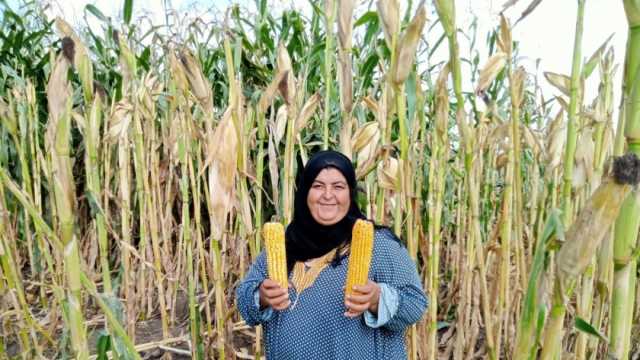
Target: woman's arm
248	291
393	267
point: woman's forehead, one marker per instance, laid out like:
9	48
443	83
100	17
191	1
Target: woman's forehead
330	175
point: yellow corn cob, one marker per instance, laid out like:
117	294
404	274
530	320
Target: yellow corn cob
273	234
360	257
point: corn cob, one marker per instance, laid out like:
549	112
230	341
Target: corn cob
360	257
273	233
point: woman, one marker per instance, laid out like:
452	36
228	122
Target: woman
313	319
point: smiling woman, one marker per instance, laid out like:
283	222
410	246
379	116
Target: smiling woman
313	319
328	198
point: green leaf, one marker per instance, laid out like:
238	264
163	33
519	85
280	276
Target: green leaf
585	327
367	17
594	60
103	345
95	11
127	11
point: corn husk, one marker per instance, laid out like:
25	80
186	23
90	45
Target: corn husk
308	109
280	126
555	136
387	173
389	13
583	168
442	102
222	160
200	86
407	47
491	69
287	85
81	60
595	218
364	136
269	93
504	40
517	86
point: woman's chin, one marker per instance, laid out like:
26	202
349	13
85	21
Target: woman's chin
328	219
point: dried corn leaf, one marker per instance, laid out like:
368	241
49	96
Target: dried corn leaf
561	82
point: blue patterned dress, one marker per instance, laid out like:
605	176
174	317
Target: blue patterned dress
316	328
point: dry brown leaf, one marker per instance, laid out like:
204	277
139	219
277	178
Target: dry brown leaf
561	82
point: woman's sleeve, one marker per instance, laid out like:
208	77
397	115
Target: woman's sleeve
246	293
394	268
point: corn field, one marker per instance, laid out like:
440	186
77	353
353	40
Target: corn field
138	165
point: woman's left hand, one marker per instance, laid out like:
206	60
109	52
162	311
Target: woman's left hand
366	297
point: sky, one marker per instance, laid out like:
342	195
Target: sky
546	34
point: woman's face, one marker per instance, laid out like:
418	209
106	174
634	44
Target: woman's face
329	199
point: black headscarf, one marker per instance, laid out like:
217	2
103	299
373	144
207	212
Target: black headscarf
306	238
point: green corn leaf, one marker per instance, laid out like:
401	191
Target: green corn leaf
127	11
103	345
368	17
95	11
585	327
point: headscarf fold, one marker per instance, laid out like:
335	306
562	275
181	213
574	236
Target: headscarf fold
306	238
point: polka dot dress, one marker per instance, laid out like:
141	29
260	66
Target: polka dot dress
314	325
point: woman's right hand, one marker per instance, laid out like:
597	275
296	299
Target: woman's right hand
273	295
